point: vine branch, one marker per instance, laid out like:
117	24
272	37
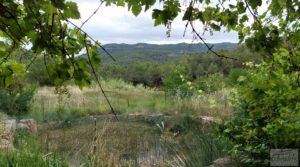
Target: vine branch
97	79
80	29
209	47
83	23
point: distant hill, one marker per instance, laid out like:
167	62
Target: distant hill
172	48
143	52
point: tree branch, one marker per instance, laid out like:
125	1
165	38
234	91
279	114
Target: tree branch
210	48
97	79
96	10
80	29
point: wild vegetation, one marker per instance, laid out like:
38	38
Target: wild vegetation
264	81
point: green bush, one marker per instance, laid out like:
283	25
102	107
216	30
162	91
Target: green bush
235	75
16	100
211	83
268	111
176	84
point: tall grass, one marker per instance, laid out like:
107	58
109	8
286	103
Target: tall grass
137	143
27	154
197	146
125	98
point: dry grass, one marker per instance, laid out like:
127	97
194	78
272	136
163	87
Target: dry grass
127	99
106	143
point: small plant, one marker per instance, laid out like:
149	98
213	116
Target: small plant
176	83
28	153
211	83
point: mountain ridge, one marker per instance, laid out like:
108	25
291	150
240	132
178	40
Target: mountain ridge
178	48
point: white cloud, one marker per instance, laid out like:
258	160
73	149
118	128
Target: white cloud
114	24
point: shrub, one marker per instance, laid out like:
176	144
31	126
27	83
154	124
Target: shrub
176	84
211	83
16	100
236	74
268	111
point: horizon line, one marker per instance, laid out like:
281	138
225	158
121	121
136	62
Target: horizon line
169	43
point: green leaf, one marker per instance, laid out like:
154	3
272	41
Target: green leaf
136	9
255	3
71	11
188	13
241	8
157	16
244	19
215	27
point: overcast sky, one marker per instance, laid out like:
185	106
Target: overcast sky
116	25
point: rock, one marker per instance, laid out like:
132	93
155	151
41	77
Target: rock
7	129
205	120
131	117
146	163
28	124
227	161
140	116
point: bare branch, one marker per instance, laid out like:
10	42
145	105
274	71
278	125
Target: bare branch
97	79
31	62
96	10
80	29
209	47
9	54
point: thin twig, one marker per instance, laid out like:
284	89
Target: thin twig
47	155
80	29
45	62
83	23
260	27
210	48
31	62
92	39
8	55
97	79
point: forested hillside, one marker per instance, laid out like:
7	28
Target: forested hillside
127	53
149	67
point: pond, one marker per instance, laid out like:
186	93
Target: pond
176	142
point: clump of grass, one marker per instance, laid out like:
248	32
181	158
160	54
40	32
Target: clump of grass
33	159
197	146
27	153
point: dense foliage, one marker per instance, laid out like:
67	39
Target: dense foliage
267	110
267	114
152	67
16	101
44	26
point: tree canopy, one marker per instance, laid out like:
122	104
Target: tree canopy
46	28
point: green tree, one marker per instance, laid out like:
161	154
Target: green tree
44	25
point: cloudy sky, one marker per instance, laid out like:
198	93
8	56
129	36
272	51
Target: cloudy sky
117	25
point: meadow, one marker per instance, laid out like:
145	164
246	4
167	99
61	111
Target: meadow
65	139
125	98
